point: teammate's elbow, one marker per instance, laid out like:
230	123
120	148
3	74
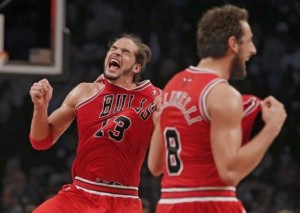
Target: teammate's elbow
229	178
155	168
155	172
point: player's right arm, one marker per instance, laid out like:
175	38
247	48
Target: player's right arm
45	130
155	156
233	161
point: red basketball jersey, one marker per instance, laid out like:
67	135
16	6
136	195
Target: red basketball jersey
252	121
115	128
189	168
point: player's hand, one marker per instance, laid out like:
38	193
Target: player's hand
41	93
156	113
273	113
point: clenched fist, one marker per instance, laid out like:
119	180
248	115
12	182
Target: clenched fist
273	113
41	93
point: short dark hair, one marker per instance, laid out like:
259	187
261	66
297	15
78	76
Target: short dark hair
143	55
216	26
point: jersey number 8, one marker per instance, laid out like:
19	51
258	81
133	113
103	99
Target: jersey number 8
173	149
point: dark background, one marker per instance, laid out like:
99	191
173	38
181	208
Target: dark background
28	176
27	26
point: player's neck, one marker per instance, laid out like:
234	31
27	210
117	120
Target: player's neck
124	83
219	66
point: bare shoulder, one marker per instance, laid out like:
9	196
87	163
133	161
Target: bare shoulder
83	91
88	87
224	98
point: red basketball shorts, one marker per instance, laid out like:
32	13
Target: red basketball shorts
72	199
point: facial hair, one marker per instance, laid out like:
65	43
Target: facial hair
238	68
123	73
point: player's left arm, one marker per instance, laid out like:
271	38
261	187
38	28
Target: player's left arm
234	162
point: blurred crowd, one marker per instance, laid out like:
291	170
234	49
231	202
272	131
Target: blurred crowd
28	177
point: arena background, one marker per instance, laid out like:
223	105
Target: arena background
168	26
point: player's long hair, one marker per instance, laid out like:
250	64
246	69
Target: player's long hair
216	26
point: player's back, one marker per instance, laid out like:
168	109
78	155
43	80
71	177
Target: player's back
186	131
189	169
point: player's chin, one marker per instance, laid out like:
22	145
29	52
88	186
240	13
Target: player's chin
111	75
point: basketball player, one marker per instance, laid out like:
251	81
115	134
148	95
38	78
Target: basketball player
199	140
110	113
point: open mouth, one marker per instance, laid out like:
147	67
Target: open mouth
114	64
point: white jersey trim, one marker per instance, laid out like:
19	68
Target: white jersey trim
200	70
207	188
196	199
203	95
252	107
106	194
106	185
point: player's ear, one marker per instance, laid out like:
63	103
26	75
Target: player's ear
232	44
137	68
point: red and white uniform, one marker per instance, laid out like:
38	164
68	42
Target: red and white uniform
114	129
191	182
